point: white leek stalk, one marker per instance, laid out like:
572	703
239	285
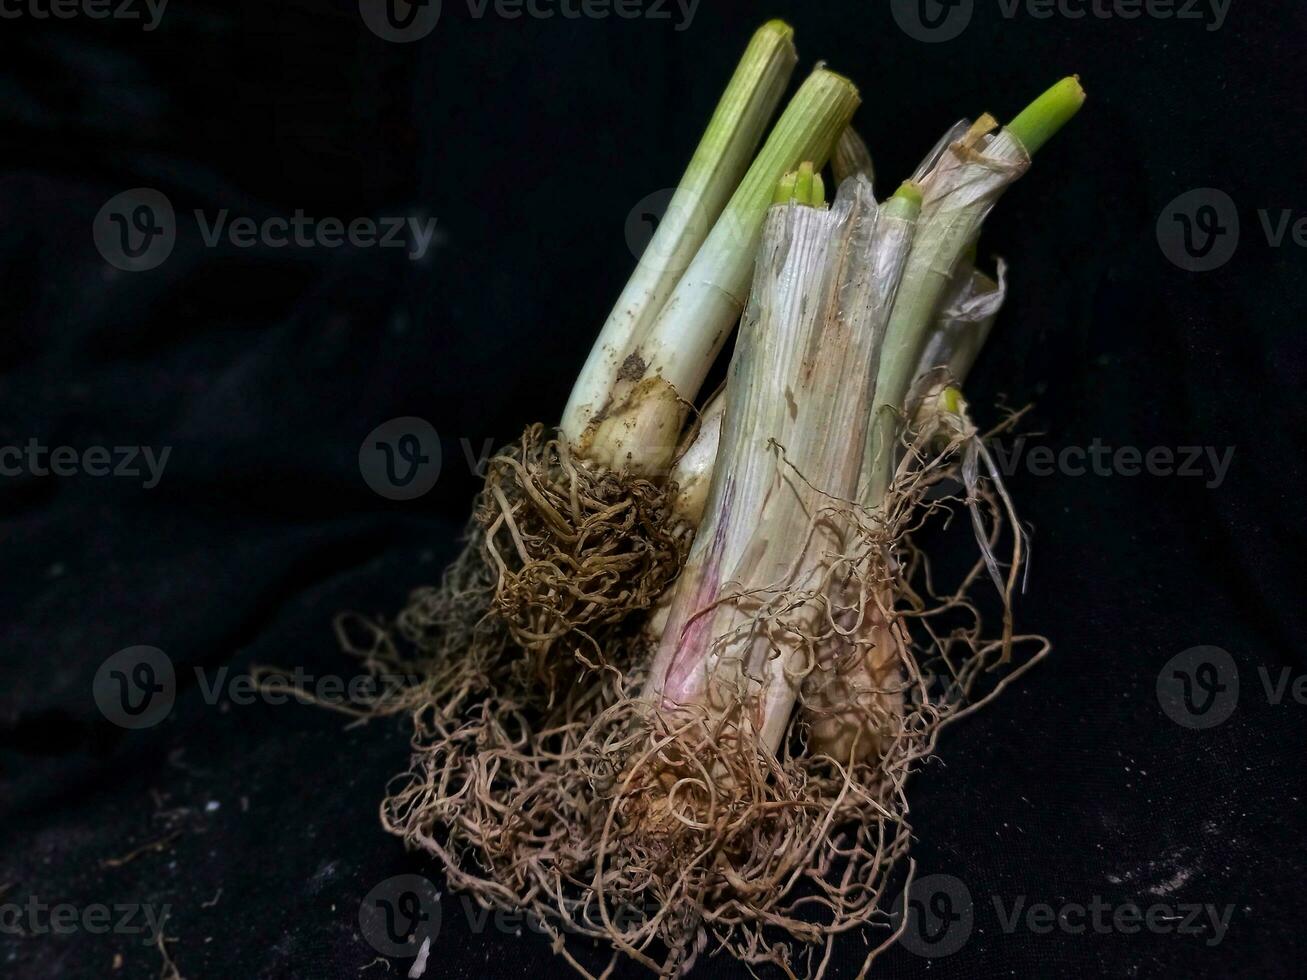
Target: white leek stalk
662	372
956	338
839	695
724	153
834	414
797	403
852	701
692	472
784	306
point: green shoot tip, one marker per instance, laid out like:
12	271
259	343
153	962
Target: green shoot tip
785	188
909	191
836	77
802	186
1047	114
906	202
777	27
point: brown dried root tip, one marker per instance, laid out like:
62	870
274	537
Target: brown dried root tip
573	549
443	650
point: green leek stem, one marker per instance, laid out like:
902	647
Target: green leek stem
948	229
724	153
663	370
1047	114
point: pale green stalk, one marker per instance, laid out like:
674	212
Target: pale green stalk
724	153
960	191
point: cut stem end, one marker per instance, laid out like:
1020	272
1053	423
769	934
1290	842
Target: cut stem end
1047	114
906	202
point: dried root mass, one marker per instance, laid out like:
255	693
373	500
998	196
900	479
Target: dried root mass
672	834
574	550
557	560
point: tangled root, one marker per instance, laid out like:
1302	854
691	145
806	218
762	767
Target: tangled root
651	832
573	548
443	651
673	833
557	558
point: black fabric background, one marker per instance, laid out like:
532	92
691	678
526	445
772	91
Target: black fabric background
530	141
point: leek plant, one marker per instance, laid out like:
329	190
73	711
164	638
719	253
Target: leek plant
671	688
